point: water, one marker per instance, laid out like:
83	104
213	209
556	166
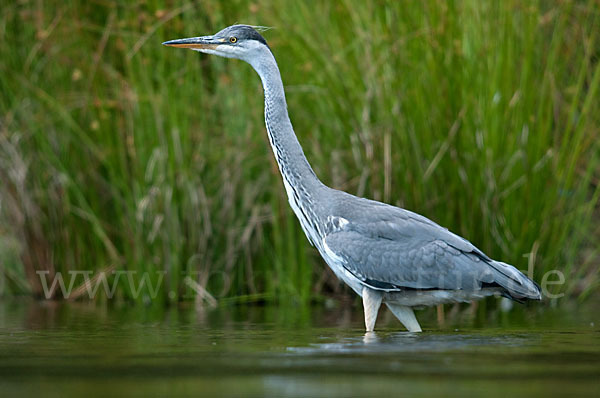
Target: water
76	349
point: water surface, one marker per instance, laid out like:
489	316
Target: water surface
64	350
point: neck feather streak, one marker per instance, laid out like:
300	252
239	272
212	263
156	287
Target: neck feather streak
301	183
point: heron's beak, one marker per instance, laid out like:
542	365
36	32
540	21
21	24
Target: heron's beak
200	43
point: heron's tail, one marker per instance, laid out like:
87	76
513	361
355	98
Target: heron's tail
518	286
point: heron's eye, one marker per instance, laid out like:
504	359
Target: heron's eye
233	39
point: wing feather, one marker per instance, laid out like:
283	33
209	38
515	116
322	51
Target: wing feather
394	264
390	248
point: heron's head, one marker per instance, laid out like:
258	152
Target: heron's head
237	41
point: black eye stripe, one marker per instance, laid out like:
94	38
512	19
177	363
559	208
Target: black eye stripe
241	33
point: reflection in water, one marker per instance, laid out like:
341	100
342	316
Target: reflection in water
370	338
406	342
275	351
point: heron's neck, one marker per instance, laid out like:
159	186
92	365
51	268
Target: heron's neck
290	157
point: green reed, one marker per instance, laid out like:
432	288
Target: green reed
119	154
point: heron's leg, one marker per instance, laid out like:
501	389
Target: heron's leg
371	303
405	315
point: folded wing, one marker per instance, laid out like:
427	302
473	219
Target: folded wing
396	249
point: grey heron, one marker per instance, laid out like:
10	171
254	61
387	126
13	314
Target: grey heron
384	253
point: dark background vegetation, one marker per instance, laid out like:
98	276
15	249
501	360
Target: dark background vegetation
117	153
